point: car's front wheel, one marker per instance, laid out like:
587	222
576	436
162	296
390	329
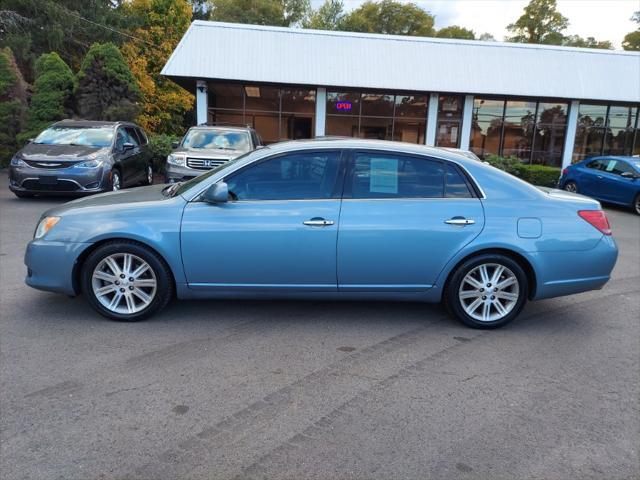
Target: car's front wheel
116	180
636	204
487	291
126	281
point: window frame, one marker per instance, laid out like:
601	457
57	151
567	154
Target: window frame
350	157
336	192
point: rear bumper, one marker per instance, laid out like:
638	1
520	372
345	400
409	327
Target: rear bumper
566	273
50	265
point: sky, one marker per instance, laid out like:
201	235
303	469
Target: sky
602	19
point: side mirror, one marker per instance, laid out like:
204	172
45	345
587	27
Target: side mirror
217	193
175	144
127	146
629	175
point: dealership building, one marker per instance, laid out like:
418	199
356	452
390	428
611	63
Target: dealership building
543	104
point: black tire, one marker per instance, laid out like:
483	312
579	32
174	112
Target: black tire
23	194
164	280
571	187
116	179
636	204
454	305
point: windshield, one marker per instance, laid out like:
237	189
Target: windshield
636	164
180	188
84	136
217	139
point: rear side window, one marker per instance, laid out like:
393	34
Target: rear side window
595	165
381	175
456	186
295	176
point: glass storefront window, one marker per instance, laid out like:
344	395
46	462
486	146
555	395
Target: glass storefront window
276	113
606	130
374	115
518	126
486	127
530	131
449	121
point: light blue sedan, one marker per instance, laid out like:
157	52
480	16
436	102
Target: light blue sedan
328	219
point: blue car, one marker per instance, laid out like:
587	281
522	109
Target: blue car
328	219
609	179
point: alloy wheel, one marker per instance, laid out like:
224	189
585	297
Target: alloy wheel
571	187
115	181
489	292
637	204
124	283
149	175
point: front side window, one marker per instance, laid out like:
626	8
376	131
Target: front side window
378	175
133	138
295	176
84	136
199	138
617	167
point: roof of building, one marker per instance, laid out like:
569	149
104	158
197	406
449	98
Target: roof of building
264	54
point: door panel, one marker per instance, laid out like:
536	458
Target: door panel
401	244
393	233
260	245
280	231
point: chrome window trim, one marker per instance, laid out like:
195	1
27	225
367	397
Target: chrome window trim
268	153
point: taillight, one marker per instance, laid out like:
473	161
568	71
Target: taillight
565	171
598	219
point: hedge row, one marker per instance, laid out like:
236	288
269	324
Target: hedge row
541	175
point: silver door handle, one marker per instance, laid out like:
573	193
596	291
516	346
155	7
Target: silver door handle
318	222
460	221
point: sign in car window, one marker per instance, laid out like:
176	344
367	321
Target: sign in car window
612	165
383	175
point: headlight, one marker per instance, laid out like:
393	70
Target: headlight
46	224
18	162
179	160
89	164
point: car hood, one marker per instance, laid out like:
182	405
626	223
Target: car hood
43	152
210	153
119	200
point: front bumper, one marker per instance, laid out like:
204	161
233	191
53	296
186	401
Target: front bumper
51	265
174	173
62	181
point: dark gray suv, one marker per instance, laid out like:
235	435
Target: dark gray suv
81	157
208	146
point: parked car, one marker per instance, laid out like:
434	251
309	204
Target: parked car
609	179
81	157
208	146
329	219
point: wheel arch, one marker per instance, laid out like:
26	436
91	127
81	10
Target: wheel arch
515	256
77	267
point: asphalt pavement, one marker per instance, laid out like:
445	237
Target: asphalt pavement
316	390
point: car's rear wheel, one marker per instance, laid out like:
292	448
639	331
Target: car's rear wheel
126	281
571	187
636	204
487	291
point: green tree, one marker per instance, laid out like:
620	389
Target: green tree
541	22
284	13
455	31
589	42
390	17
159	26
68	27
328	16
12	105
632	39
52	94
487	37
106	88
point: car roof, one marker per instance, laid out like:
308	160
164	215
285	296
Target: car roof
460	156
231	128
91	123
